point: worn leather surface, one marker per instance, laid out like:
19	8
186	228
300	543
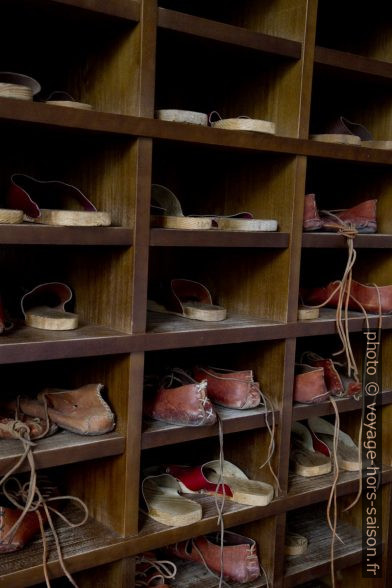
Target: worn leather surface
361	217
26	531
81	411
194	479
331	377
30	195
309	385
182	405
367	296
52	294
231	389
11	427
240	561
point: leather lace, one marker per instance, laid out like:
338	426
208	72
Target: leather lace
166	570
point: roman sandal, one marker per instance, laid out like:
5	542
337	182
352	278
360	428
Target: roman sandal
237	555
44	307
309	384
188	299
165	504
342	130
229	388
306	459
242	123
361	297
178	399
60	98
337	384
19	86
347	451
82	411
233	483
53	203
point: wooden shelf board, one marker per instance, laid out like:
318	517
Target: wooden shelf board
165	331
62	448
61	118
312	524
216	238
25	344
305	411
191	574
157	434
127	10
326	324
333	240
305	491
363	66
81	548
30	234
229	34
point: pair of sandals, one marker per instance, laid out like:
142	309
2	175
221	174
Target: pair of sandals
165	504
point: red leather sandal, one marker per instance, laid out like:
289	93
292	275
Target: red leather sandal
361	217
366	296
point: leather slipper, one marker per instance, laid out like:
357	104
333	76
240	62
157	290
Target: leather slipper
167	212
164	503
44	307
232	389
188	299
235	484
347	452
305	458
53	203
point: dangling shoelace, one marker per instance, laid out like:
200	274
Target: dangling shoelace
166	570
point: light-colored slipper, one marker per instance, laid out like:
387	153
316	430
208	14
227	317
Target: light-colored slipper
44	307
189	299
172	216
237	486
53	203
347	453
305	460
295	544
164	503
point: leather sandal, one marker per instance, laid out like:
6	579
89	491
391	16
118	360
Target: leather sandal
361	217
60	98
295	544
179	399
53	203
309	384
19	86
347	452
82	411
44	307
306	459
345	131
167	212
240	560
230	388
164	504
188	299
360	295
235	485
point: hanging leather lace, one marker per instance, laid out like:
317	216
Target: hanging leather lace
166	570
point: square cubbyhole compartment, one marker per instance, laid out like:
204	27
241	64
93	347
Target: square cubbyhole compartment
209	181
311	523
103	310
252	287
75	51
94	165
107	375
206	75
360	99
340	185
190	574
246	449
341	33
265	359
282	19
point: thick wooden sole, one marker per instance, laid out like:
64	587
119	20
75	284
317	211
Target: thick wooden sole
10	217
50	319
377	144
249	492
307	314
181	222
308	463
15	91
295	544
246	124
240	224
167	507
183	116
72	218
70	104
337	138
193	310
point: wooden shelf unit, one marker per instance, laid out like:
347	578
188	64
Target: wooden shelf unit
279	61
